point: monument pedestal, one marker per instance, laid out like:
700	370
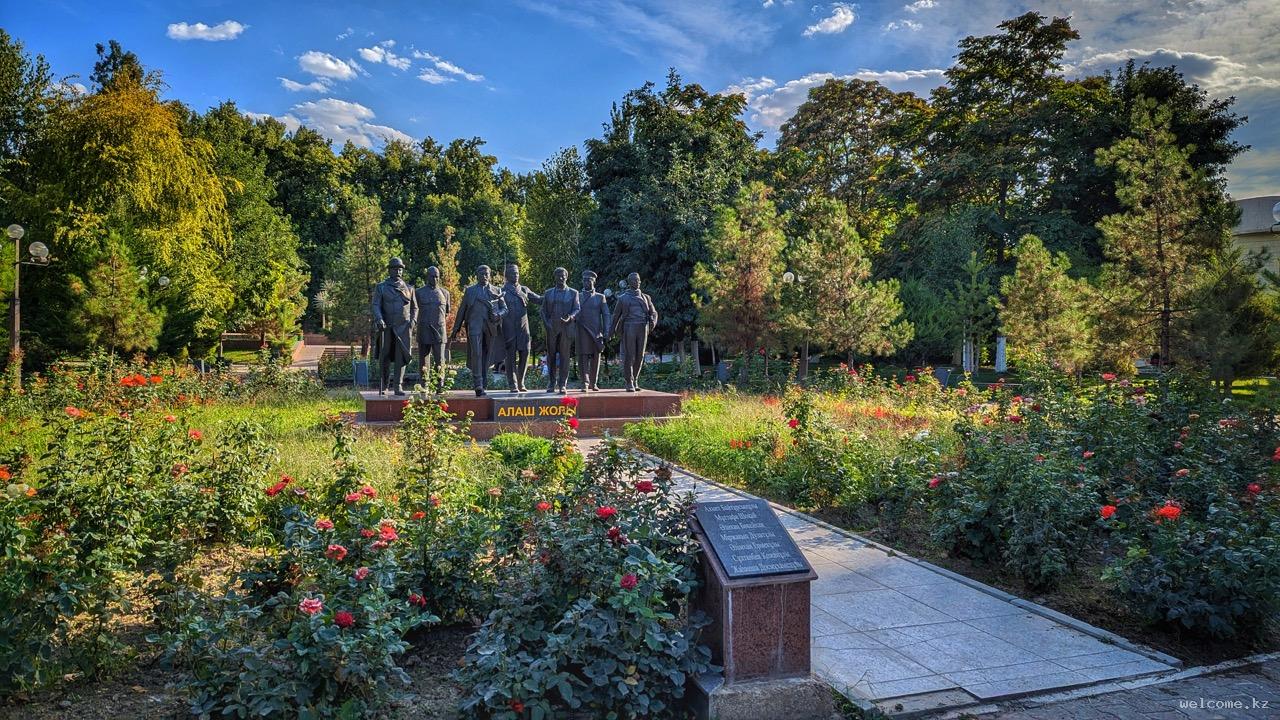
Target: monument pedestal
755	588
534	413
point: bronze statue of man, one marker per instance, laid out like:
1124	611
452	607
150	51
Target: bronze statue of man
593	323
515	326
559	310
481	307
433	342
634	318
395	309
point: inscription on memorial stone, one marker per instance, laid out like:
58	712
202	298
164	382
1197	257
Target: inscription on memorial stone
748	539
522	409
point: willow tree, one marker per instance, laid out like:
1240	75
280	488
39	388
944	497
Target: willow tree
116	163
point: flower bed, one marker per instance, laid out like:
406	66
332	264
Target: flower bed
1175	486
344	567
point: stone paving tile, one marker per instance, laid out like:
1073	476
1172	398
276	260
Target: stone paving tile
1022	685
1041	636
846	641
876	672
823	623
893	572
960	602
956	651
1141	666
877	609
836	579
1097	660
1003	672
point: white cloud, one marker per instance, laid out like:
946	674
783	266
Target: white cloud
430	75
444	66
345	34
838	21
342	121
318	85
290	122
772	104
74	88
1215	72
908	25
225	30
323	64
380	54
919	5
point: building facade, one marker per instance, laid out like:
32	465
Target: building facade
1255	233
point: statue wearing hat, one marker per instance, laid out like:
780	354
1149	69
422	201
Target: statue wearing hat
395	310
592	326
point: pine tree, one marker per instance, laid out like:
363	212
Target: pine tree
1044	311
738	286
1175	219
972	300
113	313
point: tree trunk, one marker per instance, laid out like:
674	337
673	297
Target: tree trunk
697	357
802	374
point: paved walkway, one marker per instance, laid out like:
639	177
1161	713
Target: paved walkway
1247	693
911	637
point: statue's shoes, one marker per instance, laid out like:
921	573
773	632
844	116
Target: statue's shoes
595	388
479	393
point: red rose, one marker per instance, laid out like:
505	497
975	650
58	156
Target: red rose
434	500
324	524
170	418
75	412
1177	444
416	599
156	379
935	481
1107	511
1182	473
179	469
516	706
793	423
388	533
569	401
629	581
1108	377
344	619
311	606
368	492
335	552
418	515
615	535
1016	399
543	506
1039	458
361	573
274	489
909	378
1015	418
444	407
1254	488
605	512
573	423
195	435
367	533
644	486
353	497
1168	512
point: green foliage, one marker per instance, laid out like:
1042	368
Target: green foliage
112	312
322	646
593	615
1044	312
557	211
668	158
738	286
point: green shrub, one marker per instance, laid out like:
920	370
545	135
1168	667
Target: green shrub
592	615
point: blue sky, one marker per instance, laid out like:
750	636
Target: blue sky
532	76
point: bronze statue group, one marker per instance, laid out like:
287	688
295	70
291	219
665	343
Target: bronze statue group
496	322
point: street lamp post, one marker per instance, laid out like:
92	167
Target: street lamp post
789	277
38	255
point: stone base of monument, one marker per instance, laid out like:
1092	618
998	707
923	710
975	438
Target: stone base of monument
755	588
534	413
802	698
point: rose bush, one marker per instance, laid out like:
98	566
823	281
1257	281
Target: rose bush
593	615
